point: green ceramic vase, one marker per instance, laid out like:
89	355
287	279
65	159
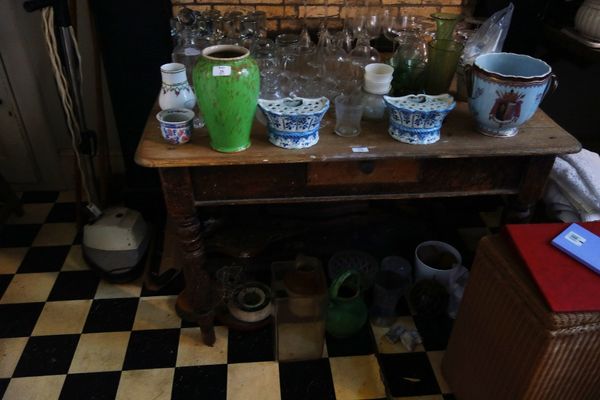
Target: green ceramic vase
347	311
226	81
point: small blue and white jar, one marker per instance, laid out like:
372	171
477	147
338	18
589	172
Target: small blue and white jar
176	125
417	119
293	123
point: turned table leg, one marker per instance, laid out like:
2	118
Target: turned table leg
521	207
196	302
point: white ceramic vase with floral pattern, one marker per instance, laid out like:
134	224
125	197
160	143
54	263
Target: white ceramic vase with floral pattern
176	91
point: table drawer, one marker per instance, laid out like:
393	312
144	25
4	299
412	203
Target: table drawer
362	172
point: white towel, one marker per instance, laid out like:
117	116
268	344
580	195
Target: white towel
575	181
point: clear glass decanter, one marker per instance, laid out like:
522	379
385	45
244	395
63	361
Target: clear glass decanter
188	50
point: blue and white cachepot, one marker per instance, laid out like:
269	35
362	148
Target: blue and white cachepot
505	90
176	125
417	119
293	123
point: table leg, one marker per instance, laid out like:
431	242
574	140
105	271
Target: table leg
521	207
196	301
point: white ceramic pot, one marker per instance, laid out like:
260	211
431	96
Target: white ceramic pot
251	302
587	19
175	91
423	269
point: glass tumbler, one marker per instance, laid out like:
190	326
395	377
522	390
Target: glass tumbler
348	113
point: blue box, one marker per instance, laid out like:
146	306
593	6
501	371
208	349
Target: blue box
580	244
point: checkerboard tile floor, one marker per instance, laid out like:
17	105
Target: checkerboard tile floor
67	334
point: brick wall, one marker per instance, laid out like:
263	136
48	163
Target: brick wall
286	15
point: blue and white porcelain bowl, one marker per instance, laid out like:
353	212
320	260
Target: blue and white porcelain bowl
176	124
293	123
417	119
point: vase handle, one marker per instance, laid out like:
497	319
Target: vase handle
340	280
552	86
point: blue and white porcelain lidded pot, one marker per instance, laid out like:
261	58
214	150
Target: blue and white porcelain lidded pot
417	119
293	123
175	91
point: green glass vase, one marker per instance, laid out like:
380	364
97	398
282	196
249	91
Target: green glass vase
445	24
347	311
227	82
443	60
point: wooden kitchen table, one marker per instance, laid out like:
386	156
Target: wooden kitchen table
369	166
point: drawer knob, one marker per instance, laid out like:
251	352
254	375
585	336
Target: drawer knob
366	167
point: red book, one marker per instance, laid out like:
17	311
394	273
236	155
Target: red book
566	284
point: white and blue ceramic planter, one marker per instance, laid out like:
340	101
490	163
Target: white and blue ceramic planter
176	125
505	90
417	119
293	123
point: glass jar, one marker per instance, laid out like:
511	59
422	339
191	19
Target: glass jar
373	106
188	50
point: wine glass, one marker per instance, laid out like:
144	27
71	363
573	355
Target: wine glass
305	41
393	26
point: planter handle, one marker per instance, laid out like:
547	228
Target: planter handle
552	86
468	70
340	280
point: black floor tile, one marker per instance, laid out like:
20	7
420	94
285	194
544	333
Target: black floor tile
171	289
39	197
448	396
62	212
152	349
306	380
109	315
251	346
47	355
18	320
204	382
435	332
93	386
3	386
409	374
4	282
44	259
74	285
359	344
18	235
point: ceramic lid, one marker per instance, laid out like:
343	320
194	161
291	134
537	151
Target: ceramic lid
295	106
421	102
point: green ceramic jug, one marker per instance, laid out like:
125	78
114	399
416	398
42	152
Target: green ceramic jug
226	81
347	311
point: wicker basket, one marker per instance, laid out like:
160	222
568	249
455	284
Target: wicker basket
507	344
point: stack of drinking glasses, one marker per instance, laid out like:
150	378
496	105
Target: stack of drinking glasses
192	31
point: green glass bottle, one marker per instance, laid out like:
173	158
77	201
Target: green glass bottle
445	24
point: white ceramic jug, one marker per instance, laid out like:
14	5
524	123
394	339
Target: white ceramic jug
175	92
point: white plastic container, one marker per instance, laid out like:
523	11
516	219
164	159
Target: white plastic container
379	72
